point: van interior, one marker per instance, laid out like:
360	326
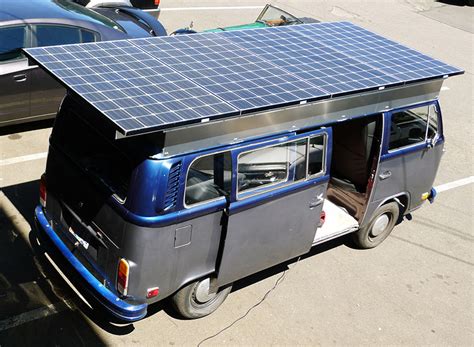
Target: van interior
356	146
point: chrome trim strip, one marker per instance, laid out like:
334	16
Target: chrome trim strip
306	116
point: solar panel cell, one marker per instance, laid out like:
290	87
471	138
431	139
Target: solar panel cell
154	83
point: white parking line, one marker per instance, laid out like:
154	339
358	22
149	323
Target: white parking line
443	89
16	160
212	8
455	184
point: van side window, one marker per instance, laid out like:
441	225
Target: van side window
265	166
433	122
316	157
408	127
290	161
13	40
209	177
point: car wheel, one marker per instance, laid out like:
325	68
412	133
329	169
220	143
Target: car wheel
194	300
379	227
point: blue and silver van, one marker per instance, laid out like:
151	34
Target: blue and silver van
147	199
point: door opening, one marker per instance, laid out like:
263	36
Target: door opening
356	149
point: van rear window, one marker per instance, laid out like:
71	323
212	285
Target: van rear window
105	161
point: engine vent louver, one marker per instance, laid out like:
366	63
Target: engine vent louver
173	185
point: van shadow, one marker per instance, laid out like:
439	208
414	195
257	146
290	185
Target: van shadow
455	2
36	305
20	128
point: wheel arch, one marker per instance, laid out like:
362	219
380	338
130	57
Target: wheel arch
403	201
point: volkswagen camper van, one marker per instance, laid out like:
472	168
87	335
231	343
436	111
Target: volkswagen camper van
238	151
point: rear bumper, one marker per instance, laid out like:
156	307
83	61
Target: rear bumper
111	302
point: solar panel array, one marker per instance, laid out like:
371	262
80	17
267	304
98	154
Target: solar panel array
162	82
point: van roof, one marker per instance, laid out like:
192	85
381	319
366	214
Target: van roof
151	84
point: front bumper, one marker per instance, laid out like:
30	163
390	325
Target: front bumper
433	193
110	301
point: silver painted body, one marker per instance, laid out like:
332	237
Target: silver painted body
261	236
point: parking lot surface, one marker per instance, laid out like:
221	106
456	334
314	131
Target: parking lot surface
414	289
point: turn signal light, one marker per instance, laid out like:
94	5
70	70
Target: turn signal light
157	2
152	292
42	190
123	273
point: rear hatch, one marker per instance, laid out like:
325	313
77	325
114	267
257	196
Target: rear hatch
84	171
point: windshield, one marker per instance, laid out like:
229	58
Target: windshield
273	16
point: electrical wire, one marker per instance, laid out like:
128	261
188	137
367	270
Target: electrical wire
277	282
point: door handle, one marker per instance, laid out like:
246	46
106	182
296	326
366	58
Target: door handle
316	202
20	77
385	175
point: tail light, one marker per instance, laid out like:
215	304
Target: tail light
123	273
157	3
42	190
322	218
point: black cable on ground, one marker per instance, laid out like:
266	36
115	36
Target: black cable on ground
278	281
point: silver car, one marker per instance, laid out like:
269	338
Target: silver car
27	93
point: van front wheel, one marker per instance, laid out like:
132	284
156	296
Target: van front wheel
379	227
195	301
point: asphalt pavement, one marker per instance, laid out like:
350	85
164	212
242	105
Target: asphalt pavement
414	289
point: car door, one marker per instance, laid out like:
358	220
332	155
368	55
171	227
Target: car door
46	92
277	196
411	153
14	74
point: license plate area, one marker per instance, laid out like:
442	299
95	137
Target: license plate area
79	239
83	239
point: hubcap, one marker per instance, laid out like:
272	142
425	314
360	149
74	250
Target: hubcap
202	291
380	225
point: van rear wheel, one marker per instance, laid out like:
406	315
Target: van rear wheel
379	227
195	301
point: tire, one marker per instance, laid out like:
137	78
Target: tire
187	305
379	227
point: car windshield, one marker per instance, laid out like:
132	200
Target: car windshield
273	16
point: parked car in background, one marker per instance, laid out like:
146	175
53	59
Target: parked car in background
151	6
269	17
27	93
